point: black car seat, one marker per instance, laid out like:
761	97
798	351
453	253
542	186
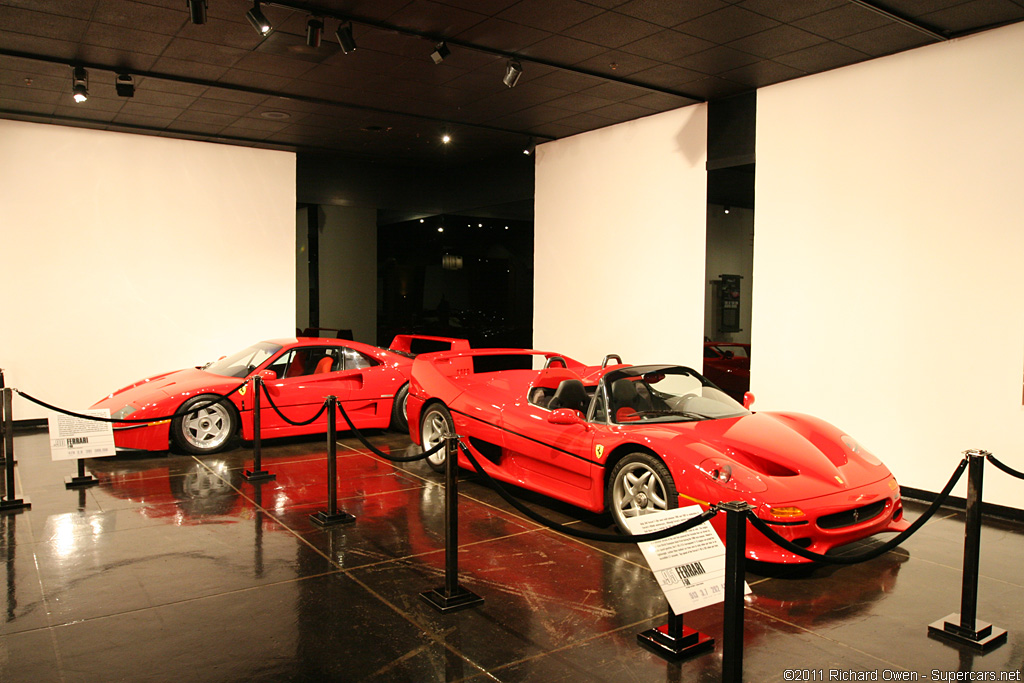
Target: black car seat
570	394
626	401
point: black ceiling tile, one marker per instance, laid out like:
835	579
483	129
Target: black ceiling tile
777	41
252	79
616	92
140	15
119	59
579	102
192	115
716	60
490	7
788	11
172	87
261	125
606	4
668	76
585	121
214	93
657	101
914	8
886	40
294	47
78	112
141	121
668	46
274	65
221	107
616	63
726	25
29	67
51	47
242	131
622	111
453	96
186	69
41	24
555	130
569	80
822	57
33	94
163	99
532	116
195	51
229	33
17	78
79	10
503	35
562	50
713	87
425	71
843	21
433	17
28	111
549	15
973	15
612	30
763	73
481	82
146	42
137	108
668	14
195	127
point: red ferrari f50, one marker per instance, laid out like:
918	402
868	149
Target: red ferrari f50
638	439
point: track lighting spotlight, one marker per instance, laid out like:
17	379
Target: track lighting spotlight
512	73
440	52
80	84
258	21
125	85
345	39
197	11
314	30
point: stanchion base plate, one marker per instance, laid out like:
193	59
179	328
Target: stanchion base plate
692	643
258	475
80	482
460	599
322	518
984	637
14	505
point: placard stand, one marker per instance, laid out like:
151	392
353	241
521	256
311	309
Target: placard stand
674	641
82	480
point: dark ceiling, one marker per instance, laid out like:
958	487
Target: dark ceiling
586	64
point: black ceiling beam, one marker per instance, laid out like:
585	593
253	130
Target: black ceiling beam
262	91
437	38
899	19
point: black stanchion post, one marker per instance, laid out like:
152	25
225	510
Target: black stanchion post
964	628
452	596
10	502
81	480
332	516
675	641
257	473
735	574
3	424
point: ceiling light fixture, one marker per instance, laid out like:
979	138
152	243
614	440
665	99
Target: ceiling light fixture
80	84
345	38
440	52
125	85
512	73
197	11
258	21
314	31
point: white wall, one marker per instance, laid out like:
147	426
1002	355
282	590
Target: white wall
128	255
888	259
619	241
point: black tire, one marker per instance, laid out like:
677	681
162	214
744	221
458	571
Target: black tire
639	484
399	414
435	424
207	431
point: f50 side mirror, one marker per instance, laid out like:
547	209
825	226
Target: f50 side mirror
564	416
748	400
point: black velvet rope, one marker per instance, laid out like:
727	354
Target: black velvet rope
1004	467
285	417
377	451
579	533
220	399
785	544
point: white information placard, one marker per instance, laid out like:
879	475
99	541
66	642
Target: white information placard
689	567
73	438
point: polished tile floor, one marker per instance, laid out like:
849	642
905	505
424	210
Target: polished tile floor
175	568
